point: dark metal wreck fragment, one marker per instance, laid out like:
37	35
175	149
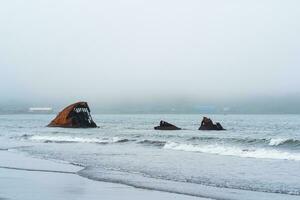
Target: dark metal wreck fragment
166	126
76	115
207	124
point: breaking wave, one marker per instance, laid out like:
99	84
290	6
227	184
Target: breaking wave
288	142
284	141
153	142
235	140
72	139
234	151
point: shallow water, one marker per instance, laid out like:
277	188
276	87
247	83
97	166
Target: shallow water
258	157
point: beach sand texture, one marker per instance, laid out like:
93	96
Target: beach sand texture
26	178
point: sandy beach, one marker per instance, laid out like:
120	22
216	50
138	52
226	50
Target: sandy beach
26	178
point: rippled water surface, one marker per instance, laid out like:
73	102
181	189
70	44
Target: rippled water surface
257	157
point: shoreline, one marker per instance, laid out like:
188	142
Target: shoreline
251	161
27	178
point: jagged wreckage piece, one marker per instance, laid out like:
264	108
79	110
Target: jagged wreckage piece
166	126
207	124
76	115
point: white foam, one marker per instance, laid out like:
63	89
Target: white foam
73	139
234	151
277	141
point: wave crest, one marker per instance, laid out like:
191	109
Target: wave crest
234	151
153	142
287	142
73	139
281	141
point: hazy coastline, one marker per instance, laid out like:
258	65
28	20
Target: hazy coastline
126	149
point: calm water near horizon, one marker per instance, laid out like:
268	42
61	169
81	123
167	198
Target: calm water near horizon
257	155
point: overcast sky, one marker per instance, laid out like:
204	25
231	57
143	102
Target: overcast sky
114	51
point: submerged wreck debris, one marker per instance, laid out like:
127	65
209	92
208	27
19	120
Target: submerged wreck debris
76	115
166	126
207	124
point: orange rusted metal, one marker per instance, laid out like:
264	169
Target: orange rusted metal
76	115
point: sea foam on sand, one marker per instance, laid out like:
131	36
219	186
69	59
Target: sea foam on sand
26	178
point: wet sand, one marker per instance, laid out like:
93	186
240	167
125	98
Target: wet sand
26	178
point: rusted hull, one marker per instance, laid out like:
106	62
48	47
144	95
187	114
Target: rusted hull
76	115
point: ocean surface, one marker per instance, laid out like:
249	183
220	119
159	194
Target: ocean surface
257	157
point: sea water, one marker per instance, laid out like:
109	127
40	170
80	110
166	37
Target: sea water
257	157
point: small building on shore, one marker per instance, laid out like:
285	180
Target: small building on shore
40	110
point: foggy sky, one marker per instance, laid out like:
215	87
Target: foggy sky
109	52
